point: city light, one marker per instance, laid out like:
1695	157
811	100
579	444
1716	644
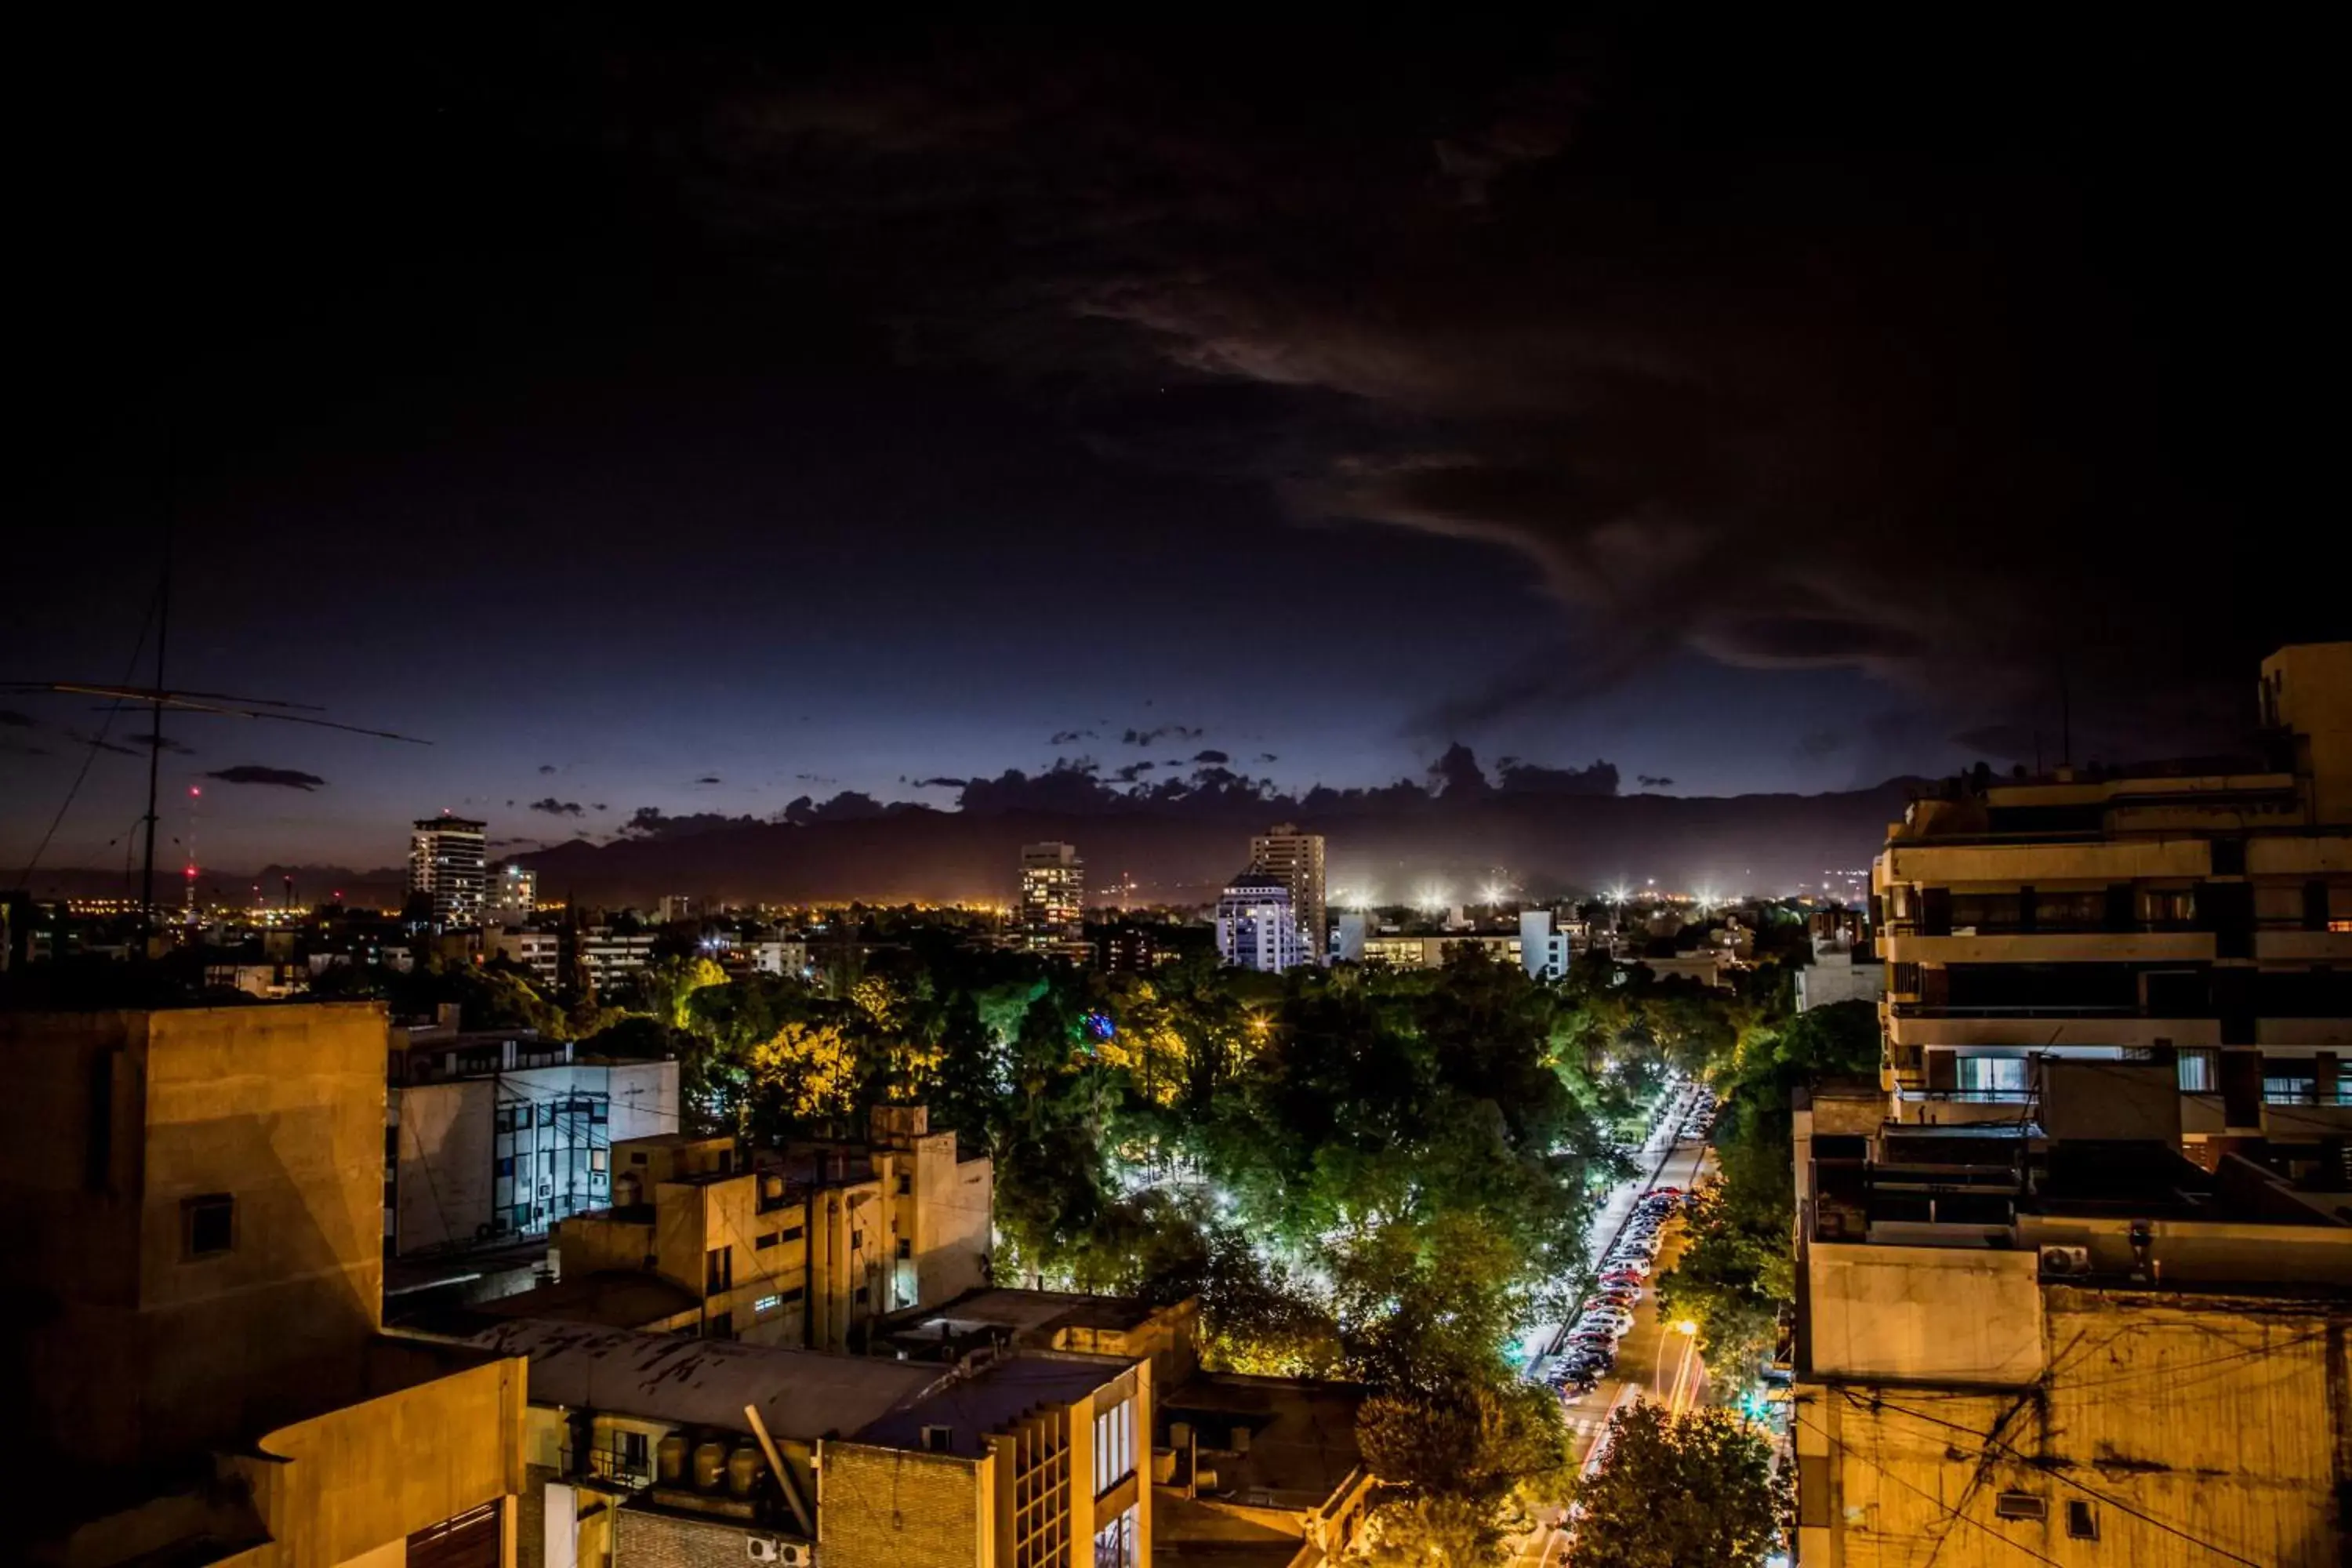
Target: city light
1433	900
1493	894
1686	1327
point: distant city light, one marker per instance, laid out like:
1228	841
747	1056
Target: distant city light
1433	900
1492	893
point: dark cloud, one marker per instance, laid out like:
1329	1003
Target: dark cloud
161	743
1132	772
254	773
1816	745
940	783
551	807
708	779
1070	737
100	743
1516	777
849	805
1654	781
1217	759
546	768
600	805
1746	344
16	748
1267	757
651	822
1162	732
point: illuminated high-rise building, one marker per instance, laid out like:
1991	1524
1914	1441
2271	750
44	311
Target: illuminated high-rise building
1053	893
1256	926
445	863
513	894
1297	859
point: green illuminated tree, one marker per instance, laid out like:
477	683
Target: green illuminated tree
1676	1490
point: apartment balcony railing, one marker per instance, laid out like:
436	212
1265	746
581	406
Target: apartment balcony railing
606	1462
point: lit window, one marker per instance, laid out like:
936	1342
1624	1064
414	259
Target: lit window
767	1304
2200	1071
1113	1445
207	1226
1115	1542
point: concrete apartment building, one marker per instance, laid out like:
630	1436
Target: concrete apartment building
495	1136
1297	859
2059	1340
446	863
538	953
610	957
649	1448
2196	914
195	1230
1401	952
513	894
1548	945
1256	926
1841	971
804	1248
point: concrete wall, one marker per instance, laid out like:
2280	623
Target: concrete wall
113	1120
362	1479
947	1219
2223	1421
939	1512
1924	1314
441	1188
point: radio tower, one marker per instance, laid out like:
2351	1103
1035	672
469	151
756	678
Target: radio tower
188	904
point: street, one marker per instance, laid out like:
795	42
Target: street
1654	1361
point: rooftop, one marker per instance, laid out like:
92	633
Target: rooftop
619	1298
990	1400
1028	1316
800	1394
1302	1442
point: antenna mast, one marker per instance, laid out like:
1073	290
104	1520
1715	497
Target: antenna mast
155	744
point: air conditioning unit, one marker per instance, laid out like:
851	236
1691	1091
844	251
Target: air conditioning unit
786	1554
2059	1261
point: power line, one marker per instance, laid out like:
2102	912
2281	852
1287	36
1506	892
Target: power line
1939	1503
96	744
2116	1503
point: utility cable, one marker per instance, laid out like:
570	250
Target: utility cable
1939	1503
96	744
2118	1505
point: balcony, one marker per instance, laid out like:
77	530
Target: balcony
2041	1028
1900	944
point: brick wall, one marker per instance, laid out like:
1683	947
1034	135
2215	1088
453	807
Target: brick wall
886	1508
643	1539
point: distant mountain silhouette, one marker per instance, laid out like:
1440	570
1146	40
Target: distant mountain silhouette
1546	845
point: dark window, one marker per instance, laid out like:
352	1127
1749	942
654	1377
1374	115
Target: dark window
906	1183
505	1165
637	1157
861	1295
2315	906
2229	856
633	1450
718	1270
208	1225
905	1248
2082	1524
97	1152
788	1296
719	1326
761	1243
790	1233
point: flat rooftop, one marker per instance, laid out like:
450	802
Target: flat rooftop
1302	1444
618	1299
1023	1314
800	1394
990	1400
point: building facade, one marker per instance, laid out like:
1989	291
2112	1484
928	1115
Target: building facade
1430	951
541	952
1297	859
659	1449
513	895
2198	915
807	1248
446	864
1841	971
497	1136
1547	948
2018	1346
197	1200
609	957
1257	927
1053	895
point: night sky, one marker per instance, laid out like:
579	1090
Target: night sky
702	421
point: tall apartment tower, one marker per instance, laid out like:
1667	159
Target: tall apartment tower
513	894
1053	892
2195	915
446	863
1297	859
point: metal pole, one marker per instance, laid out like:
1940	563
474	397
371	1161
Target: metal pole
155	746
